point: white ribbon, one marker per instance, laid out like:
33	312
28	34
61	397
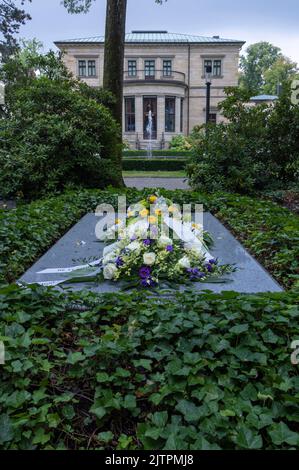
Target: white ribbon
72	269
184	232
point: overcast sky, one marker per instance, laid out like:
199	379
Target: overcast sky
275	21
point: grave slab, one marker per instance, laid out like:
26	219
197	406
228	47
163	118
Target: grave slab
80	246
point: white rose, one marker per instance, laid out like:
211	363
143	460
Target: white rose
164	241
184	262
134	246
109	257
109	271
149	259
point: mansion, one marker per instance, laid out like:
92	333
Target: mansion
165	74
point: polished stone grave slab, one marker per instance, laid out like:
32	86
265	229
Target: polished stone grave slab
80	245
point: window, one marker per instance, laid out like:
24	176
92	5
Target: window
87	68
208	63
170	114
216	66
132	68
82	68
149	66
213	118
92	68
182	116
167	68
130	114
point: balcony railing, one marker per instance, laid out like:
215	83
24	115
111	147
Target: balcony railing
154	76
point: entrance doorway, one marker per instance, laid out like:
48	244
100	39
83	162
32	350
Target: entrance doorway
149	104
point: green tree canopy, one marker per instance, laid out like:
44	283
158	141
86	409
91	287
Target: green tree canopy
282	71
11	18
258	59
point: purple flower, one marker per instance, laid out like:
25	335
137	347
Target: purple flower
209	267
133	238
144	272
119	262
147	242
169	248
195	274
213	261
148	282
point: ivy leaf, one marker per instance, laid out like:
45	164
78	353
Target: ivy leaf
75	357
130	402
160	419
281	433
6	432
189	410
247	440
105	436
145	363
238	329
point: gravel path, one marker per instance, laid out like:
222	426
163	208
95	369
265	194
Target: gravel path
166	183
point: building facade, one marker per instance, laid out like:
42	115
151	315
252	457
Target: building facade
164	77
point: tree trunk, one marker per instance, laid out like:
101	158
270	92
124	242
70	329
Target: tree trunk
114	61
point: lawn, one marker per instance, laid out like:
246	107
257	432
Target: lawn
154	174
136	371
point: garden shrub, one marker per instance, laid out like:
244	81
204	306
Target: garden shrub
54	137
257	149
165	164
157	153
208	372
180	142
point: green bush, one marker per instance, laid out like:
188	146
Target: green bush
86	371
180	142
157	153
142	164
257	149
270	232
56	137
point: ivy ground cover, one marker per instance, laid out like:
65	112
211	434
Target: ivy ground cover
85	371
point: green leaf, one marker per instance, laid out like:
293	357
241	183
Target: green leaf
280	433
145	363
6	431
247	440
227	413
238	329
74	358
105	436
99	411
189	410
130	402
202	444
160	419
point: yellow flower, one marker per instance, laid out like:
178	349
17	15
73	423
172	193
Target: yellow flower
152	219
144	213
172	209
130	214
195	226
152	198
118	221
158	212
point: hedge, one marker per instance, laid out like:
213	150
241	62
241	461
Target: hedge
87	371
140	164
157	153
269	231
